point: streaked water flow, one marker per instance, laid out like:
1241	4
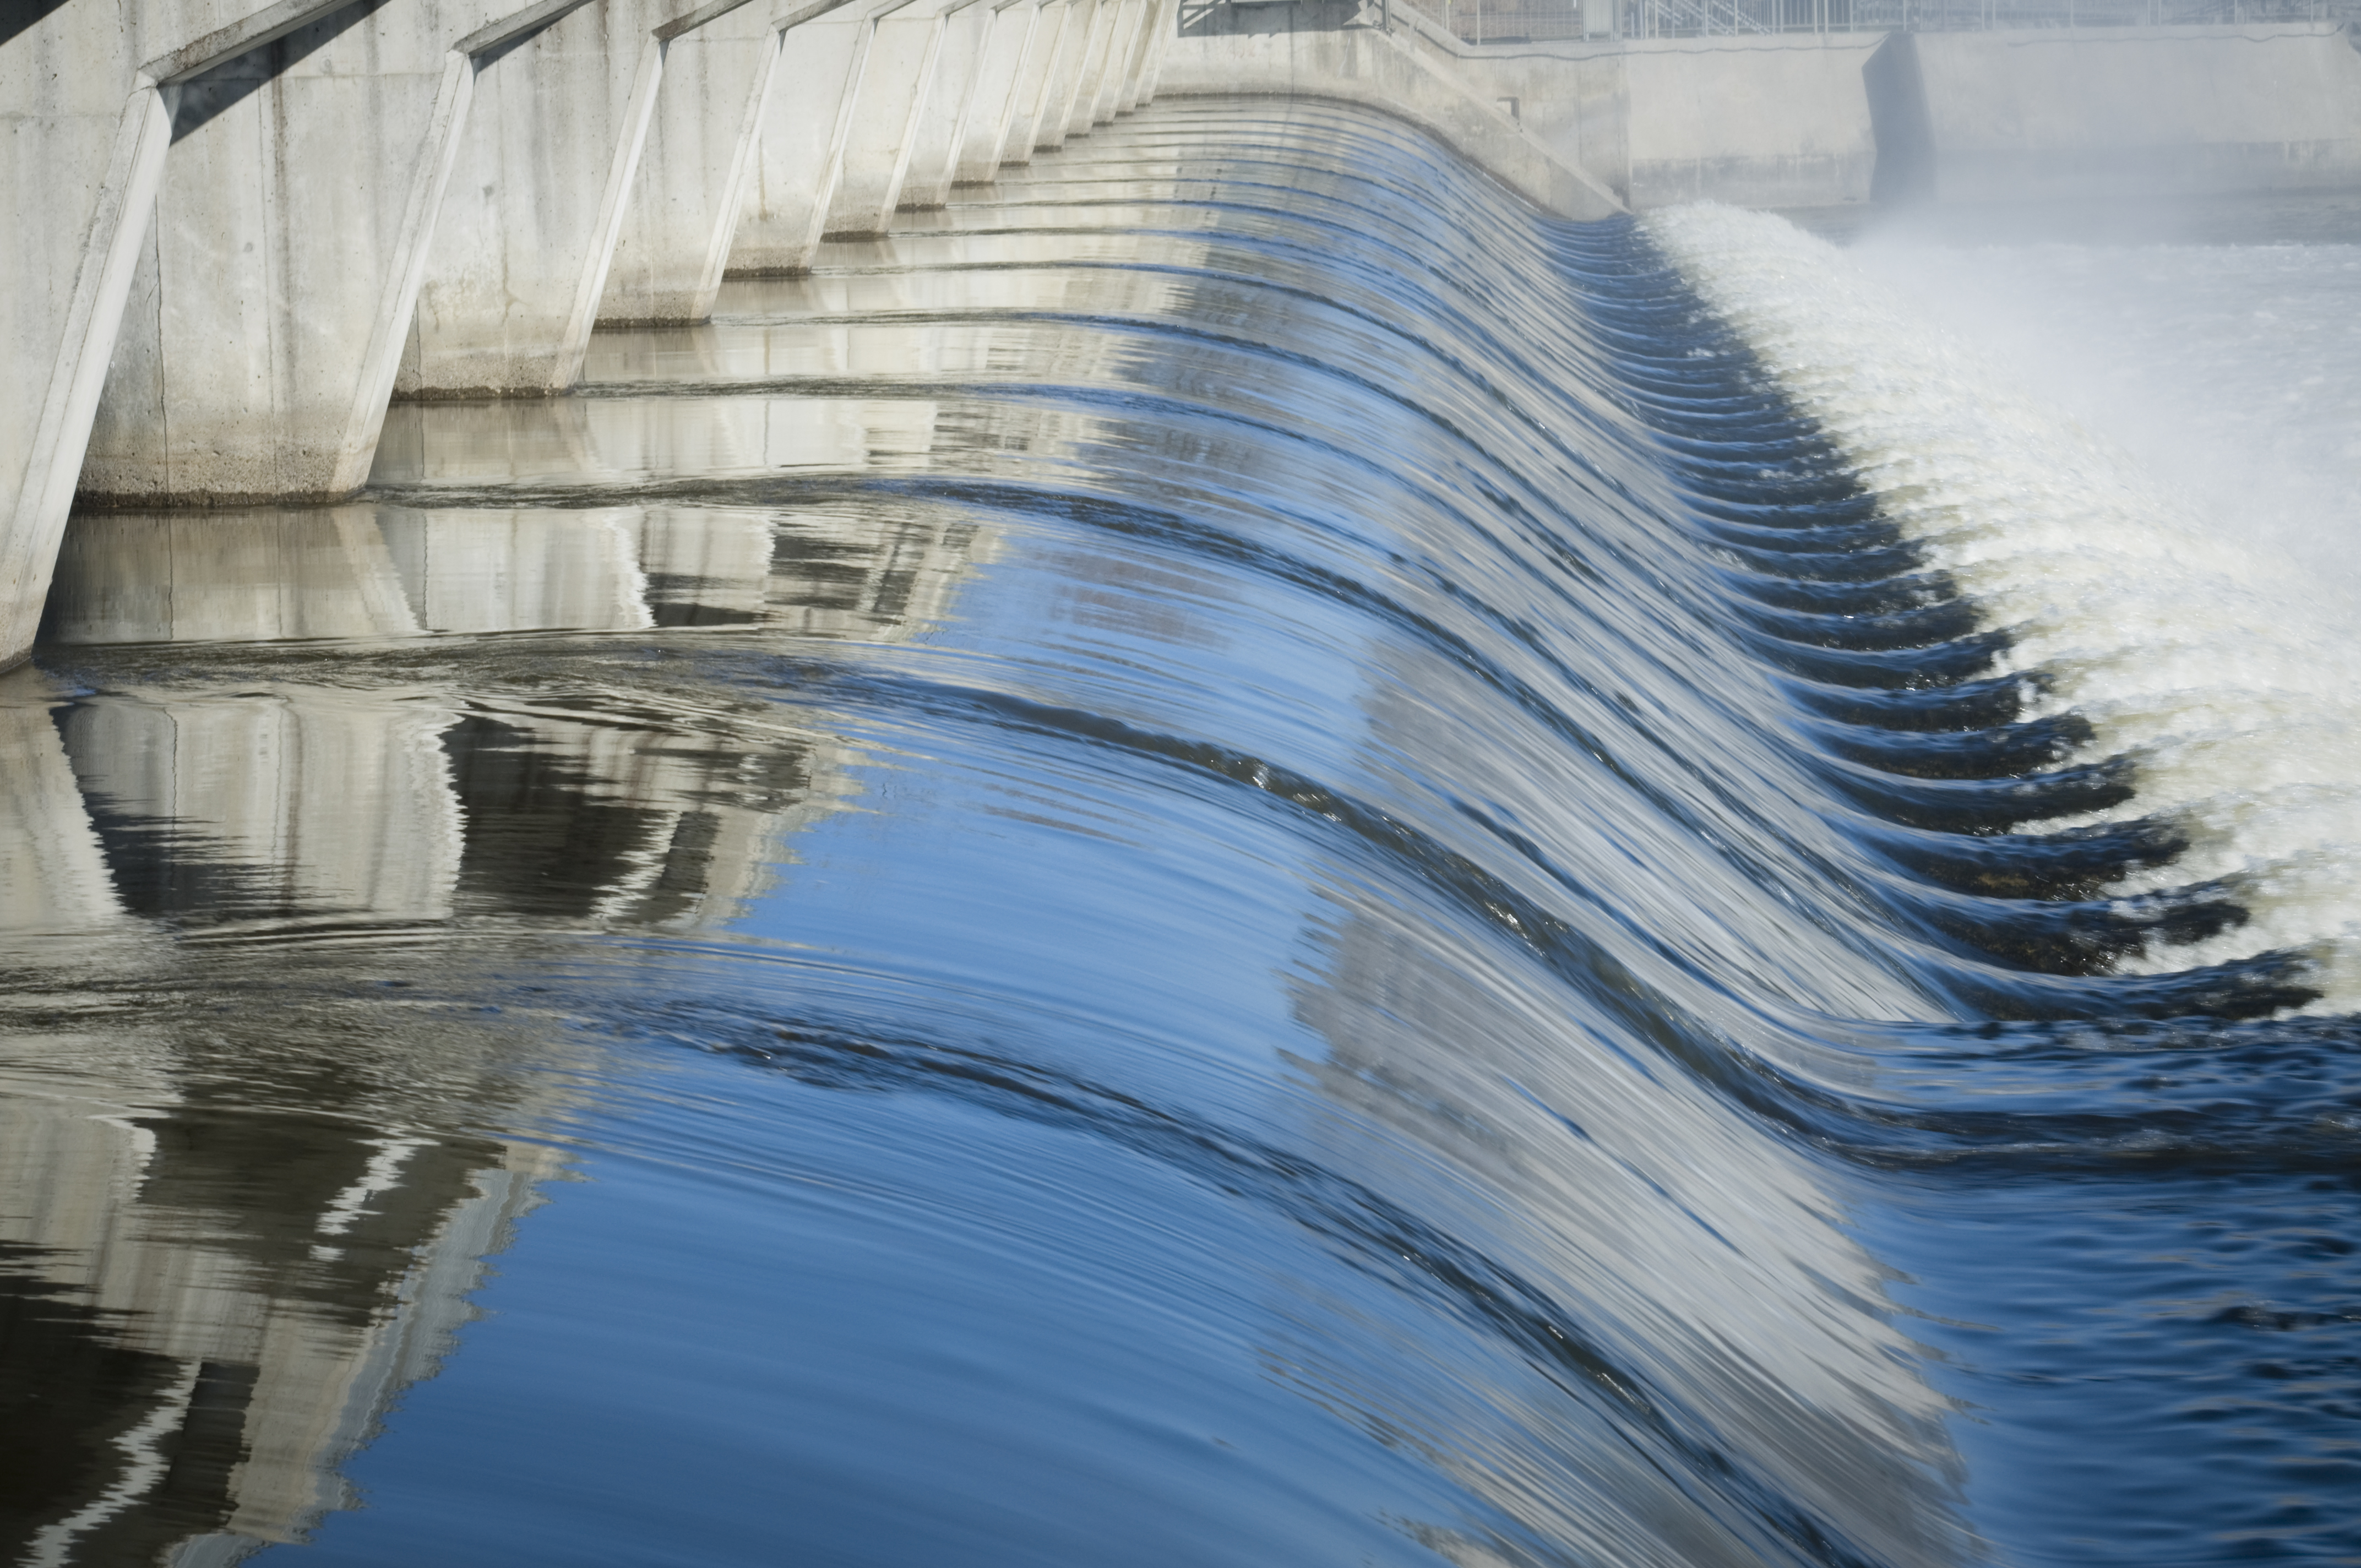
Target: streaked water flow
1232	856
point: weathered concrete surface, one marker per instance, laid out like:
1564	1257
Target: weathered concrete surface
1781	121
259	188
1123	43
798	154
884	127
535	202
1036	79
1096	56
77	131
943	113
1065	83
2069	112
681	213
1156	26
1364	65
999	76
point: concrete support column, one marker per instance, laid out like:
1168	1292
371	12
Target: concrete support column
944	112
1037	75
999	74
887	113
1159	48
1095	53
1065	76
682	211
264	322
799	148
537	198
1152	22
1123	44
98	154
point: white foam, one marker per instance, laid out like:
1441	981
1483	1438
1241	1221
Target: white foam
2216	650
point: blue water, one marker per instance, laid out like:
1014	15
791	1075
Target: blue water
1233	856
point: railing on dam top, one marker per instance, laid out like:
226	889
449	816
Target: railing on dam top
1526	21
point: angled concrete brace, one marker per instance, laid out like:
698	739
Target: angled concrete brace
944	113
1000	73
697	162
272	290
1094	66
41	472
565	96
799	148
1122	42
1152	20
1036	79
1065	76
888	108
1159	50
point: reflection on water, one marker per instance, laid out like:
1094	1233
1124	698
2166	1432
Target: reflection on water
212	1302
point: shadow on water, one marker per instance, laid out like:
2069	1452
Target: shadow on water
1188	868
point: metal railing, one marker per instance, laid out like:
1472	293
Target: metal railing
1530	21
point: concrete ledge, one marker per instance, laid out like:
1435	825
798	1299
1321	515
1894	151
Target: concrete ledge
1365	66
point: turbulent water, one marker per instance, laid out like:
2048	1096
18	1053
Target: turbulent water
1233	856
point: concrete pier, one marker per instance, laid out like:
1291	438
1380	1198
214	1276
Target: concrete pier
259	224
537	198
884	111
262	223
1000	74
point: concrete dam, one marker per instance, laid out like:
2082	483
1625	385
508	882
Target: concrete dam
1041	784
240	234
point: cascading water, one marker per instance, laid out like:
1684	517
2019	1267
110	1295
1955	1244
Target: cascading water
1233	856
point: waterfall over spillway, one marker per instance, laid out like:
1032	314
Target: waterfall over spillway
1234	855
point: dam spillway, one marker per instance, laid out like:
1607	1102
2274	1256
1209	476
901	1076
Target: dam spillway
1235	853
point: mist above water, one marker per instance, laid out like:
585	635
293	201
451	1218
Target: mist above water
2143	460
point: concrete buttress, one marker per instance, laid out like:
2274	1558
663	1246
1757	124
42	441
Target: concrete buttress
1036	79
536	201
998	80
1090	67
681	213
944	112
241	198
887	109
1065	76
1121	38
798	152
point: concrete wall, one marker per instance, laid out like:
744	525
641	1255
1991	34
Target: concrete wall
2115	111
260	223
535	203
690	187
1769	122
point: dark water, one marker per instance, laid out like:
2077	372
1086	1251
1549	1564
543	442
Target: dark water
1234	857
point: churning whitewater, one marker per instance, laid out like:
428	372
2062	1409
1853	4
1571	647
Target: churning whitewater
1233	856
2201	657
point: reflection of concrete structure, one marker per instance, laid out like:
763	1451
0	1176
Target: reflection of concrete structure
256	217
214	1308
408	803
373	571
210	1301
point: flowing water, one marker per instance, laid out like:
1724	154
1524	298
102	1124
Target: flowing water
1233	856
